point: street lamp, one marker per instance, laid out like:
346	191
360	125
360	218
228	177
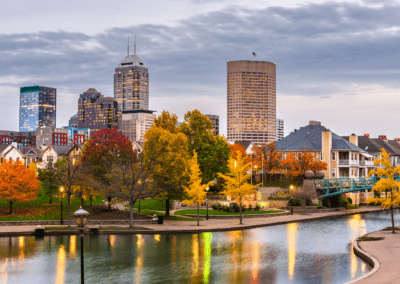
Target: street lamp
61	191
139	182
291	199
81	217
207	189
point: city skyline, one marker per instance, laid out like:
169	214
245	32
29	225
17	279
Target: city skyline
336	61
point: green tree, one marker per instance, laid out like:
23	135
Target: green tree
49	183
387	183
236	181
213	151
196	190
170	154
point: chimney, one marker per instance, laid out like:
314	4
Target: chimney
327	151
353	139
383	137
366	135
314	122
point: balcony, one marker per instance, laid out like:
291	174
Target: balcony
348	163
367	163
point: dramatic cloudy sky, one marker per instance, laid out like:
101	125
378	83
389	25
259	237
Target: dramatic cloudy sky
337	61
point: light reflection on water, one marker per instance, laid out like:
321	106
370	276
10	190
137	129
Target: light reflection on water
311	252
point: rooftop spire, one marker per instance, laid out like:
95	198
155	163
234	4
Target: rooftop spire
135	45
128	44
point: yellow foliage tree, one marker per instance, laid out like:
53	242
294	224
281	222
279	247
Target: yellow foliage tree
33	168
236	181
195	190
387	183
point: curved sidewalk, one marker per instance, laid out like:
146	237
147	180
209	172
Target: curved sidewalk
387	253
212	225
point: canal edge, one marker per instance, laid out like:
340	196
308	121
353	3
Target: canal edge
367	258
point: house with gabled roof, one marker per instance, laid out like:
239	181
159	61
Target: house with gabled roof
18	152
52	154
343	157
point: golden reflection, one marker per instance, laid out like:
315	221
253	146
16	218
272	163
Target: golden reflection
72	247
195	252
207	239
21	241
173	251
255	254
139	259
3	272
140	241
358	228
111	239
61	261
292	232
157	238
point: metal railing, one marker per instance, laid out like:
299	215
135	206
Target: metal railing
349	162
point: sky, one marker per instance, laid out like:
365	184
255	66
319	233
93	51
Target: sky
337	61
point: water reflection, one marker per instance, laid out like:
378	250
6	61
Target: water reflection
312	252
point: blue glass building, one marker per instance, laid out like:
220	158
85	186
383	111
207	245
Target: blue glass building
37	107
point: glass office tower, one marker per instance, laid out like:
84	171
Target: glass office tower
37	107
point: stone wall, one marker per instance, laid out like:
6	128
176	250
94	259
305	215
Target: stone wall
278	203
266	192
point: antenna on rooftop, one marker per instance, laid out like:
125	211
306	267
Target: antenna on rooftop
128	44
135	45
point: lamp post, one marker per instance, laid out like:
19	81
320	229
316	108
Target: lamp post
139	182
207	189
291	199
61	191
81	217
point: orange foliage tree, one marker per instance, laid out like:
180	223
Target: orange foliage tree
297	166
17	183
239	148
266	155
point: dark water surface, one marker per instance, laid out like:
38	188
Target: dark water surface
311	252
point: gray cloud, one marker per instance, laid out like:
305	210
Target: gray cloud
320	49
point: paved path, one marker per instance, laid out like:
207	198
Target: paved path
387	253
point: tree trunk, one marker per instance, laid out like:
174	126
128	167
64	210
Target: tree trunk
130	214
391	211
240	209
11	203
82	202
51	201
167	207
108	202
198	214
69	207
90	201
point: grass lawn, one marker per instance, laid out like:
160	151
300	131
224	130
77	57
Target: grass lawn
171	217
40	209
217	212
151	204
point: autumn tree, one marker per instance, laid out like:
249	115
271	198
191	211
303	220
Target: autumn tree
101	152
388	182
17	183
266	156
298	165
130	179
212	151
167	121
238	147
236	181
170	153
196	189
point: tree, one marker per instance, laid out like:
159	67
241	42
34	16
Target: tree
196	190
49	182
388	182
238	147
129	179
170	152
266	156
167	121
297	166
236	181
67	171
17	183
101	152
213	151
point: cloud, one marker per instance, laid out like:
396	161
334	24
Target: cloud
324	52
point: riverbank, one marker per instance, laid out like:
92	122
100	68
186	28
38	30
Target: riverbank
383	255
212	225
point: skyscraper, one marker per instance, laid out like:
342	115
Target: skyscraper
131	91
251	94
97	112
215	121
280	129
37	107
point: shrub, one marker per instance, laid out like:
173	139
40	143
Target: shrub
250	207
308	202
349	200
257	207
214	206
219	206
296	202
351	206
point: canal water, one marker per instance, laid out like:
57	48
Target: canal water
310	252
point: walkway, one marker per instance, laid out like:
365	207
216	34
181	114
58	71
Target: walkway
387	253
214	225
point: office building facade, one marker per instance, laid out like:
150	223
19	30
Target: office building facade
135	123
96	112
73	121
215	121
37	107
251	96
280	129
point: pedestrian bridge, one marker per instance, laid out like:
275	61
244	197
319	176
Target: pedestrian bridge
332	187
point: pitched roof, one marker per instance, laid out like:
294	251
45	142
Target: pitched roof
3	147
395	144
310	138
62	150
389	148
26	149
244	143
131	61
